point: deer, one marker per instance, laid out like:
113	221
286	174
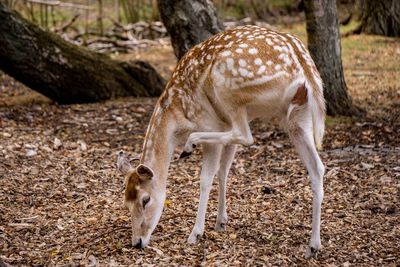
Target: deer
216	89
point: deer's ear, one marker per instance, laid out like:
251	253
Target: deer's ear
144	172
123	163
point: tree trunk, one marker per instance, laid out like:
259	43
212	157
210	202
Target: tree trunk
189	22
381	17
324	45
64	72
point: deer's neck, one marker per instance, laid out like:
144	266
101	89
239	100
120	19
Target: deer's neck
159	144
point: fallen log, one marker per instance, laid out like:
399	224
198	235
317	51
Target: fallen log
65	72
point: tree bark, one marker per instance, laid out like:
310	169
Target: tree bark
188	22
381	17
324	45
64	72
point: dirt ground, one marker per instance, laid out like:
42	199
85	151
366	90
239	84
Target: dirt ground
61	196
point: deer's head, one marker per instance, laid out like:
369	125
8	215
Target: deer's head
142	198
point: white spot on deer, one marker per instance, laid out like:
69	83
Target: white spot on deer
269	42
263	79
239	51
278	48
242	62
229	44
227	37
208	57
226	53
258	61
269	63
229	63
243	45
287	61
295	59
261	69
278	67
243	72
253	51
298	45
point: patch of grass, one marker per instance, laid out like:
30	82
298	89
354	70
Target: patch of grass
352	43
339	120
280	3
30	98
352	25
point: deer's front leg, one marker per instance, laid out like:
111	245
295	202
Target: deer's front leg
239	134
211	159
228	153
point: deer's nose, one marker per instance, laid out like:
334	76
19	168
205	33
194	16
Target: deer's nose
139	244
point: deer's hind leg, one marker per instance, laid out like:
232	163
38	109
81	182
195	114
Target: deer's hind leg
300	130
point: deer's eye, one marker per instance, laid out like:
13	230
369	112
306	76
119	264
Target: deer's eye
145	200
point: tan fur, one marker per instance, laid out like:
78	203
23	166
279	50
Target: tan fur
216	89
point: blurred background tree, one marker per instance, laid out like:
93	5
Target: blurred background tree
380	17
325	48
189	22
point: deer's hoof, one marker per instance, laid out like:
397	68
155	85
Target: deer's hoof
220	226
194	238
185	154
189	147
311	253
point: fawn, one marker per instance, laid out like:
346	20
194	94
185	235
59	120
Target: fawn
217	88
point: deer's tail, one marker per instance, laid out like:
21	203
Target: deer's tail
316	102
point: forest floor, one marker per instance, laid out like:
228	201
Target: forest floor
61	197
